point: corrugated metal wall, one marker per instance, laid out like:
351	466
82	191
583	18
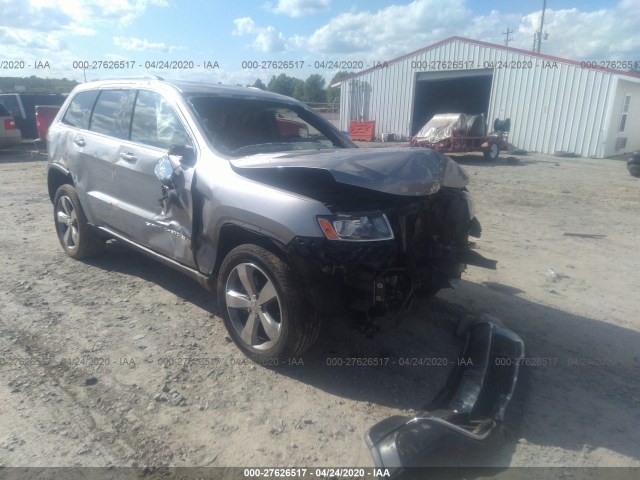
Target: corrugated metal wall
561	108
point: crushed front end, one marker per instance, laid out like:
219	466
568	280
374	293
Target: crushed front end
424	245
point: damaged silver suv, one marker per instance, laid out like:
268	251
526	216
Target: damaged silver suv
261	200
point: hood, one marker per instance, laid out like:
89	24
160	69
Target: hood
397	171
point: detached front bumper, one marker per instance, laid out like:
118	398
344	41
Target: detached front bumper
471	405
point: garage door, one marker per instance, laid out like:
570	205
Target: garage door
465	91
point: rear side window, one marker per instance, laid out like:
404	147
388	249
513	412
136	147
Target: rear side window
11	102
156	123
79	111
112	113
4	112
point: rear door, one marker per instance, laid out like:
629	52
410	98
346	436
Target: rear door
94	152
157	219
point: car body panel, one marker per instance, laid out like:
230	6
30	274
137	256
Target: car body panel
397	171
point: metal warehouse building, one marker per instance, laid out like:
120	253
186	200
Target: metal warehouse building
554	104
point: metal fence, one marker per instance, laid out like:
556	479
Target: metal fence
330	111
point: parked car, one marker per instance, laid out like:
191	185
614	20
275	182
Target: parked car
9	134
23	108
44	117
281	226
285	221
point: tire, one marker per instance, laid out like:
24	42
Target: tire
76	236
634	170
492	153
283	326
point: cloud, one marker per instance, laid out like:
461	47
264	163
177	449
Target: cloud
392	30
267	39
16	40
397	29
21	14
244	26
299	8
270	40
143	45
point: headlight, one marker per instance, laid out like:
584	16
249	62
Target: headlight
356	227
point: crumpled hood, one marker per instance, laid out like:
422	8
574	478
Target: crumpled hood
398	171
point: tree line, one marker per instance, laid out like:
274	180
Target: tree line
311	90
35	84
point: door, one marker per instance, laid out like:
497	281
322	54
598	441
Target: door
157	218
94	151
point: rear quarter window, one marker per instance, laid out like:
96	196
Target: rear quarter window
4	112
79	111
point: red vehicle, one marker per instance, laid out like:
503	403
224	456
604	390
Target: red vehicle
291	128
44	116
462	133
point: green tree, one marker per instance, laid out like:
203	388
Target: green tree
314	89
333	93
282	84
258	84
298	90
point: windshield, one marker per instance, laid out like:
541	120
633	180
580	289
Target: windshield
239	126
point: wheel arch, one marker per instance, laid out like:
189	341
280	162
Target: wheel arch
232	235
56	177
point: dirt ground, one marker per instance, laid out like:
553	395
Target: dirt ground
121	361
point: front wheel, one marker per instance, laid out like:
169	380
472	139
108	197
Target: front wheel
492	153
262	307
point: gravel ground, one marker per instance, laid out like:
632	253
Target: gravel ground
121	361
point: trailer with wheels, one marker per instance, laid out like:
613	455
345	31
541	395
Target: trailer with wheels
463	133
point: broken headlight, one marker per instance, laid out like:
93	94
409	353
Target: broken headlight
356	227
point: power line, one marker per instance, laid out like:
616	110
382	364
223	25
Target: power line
507	33
537	38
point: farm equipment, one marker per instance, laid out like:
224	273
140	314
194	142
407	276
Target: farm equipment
462	133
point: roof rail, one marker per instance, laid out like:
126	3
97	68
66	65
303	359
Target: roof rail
138	77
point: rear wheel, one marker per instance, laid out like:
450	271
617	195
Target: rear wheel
262	306
76	236
492	152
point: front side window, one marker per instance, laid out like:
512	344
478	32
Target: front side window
112	113
79	111
155	122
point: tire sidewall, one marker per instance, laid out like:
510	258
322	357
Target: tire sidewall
69	192
235	257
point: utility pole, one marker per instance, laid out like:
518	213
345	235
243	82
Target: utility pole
537	39
507	33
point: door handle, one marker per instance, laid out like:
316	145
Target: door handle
79	142
128	156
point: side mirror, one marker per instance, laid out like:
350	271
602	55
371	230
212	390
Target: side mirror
164	170
185	154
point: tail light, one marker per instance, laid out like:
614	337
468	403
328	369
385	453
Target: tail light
9	124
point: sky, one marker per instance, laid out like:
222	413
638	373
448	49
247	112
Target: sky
224	41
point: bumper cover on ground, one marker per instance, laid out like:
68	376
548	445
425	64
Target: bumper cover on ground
471	405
